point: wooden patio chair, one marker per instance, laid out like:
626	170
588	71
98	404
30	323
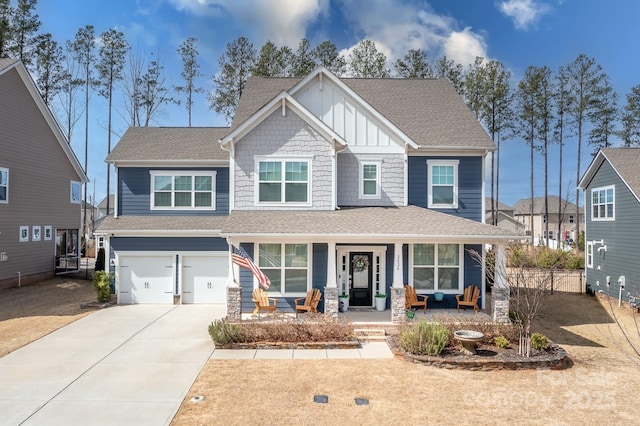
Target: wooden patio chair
310	303
412	299
470	297
264	302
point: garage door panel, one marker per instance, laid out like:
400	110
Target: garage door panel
204	278
145	279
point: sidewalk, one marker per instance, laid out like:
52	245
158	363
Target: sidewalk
369	350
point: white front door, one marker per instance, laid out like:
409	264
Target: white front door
145	279
205	278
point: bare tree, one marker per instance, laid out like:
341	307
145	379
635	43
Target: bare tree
190	72
153	90
131	88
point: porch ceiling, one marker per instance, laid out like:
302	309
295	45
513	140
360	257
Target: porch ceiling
365	223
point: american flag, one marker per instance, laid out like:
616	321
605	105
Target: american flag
241	257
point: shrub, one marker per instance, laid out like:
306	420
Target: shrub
490	329
539	341
424	338
100	260
102	285
501	342
222	331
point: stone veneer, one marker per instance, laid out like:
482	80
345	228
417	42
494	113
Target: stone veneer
331	303
500	304
234	303
398	312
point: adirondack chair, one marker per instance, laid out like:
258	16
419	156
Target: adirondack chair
263	302
412	298
310	303
469	298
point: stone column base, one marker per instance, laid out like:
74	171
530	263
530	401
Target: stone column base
331	303
398	313
500	304
234	303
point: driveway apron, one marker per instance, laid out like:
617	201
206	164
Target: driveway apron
123	365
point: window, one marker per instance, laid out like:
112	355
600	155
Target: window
602	203
443	183
67	250
281	181
436	267
183	190
544	218
286	265
589	254
76	192
4	185
370	179
571	219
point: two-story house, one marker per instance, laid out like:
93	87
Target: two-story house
562	217
355	186
611	186
504	216
40	185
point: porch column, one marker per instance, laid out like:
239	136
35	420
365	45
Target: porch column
234	290
500	291
331	288
397	286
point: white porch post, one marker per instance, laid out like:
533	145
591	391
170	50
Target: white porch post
500	291
331	304
398	271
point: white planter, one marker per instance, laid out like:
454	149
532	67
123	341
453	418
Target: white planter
381	303
343	304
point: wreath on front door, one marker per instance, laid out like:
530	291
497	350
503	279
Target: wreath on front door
360	263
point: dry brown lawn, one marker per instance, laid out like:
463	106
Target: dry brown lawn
600	387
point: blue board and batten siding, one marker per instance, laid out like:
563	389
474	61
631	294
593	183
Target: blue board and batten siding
621	237
134	192
470	200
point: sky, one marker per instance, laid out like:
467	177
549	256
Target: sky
518	33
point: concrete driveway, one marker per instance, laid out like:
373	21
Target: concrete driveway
124	365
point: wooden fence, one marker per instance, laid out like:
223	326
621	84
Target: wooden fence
563	281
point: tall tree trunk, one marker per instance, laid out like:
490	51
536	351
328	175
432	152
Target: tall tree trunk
531	142
546	191
578	180
560	216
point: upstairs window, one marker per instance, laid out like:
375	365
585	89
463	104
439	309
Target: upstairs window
443	183
183	190
571	219
370	179
603	203
4	185
283	181
75	192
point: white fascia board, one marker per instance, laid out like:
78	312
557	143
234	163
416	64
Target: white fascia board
49	118
272	106
161	233
450	150
374	238
591	170
170	163
621	178
364	104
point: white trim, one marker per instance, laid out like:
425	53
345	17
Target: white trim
50	236
36	233
282	159
588	254
436	267
361	180
173	174
613	203
6	171
24	230
345	251
115	194
161	233
169	163
366	149
72	200
309	267
451	163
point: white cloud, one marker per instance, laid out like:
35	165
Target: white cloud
282	21
523	12
464	46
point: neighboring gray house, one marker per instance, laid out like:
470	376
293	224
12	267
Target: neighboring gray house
612	192
504	215
102	206
567	219
40	185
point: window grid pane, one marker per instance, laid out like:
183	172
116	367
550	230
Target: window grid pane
182	183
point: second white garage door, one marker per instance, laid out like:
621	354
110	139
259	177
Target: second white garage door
145	279
205	278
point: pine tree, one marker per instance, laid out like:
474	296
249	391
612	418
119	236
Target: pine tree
603	116
630	132
25	26
447	68
273	61
365	61
414	64
302	61
49	67
190	72
6	30
326	54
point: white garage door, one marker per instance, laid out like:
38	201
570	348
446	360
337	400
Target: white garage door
145	279
205	278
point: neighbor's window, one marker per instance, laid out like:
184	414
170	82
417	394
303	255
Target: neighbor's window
603	203
370	179
589	254
281	181
571	219
443	183
183	190
436	267
76	192
4	185
287	266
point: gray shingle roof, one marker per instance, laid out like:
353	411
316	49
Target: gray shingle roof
626	161
161	223
409	222
170	144
501	206
523	206
429	111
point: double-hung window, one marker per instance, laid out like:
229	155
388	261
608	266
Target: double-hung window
4	185
603	203
370	179
283	181
286	265
443	183
589	254
183	190
436	267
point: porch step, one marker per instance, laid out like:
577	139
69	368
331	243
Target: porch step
370	334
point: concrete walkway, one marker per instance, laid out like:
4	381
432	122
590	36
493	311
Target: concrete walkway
125	365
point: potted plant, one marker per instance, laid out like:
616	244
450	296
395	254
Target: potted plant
343	301
381	301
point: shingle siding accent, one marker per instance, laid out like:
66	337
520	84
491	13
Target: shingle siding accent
621	237
287	136
391	179
470	201
134	189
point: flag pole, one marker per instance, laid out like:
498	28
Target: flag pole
233	267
